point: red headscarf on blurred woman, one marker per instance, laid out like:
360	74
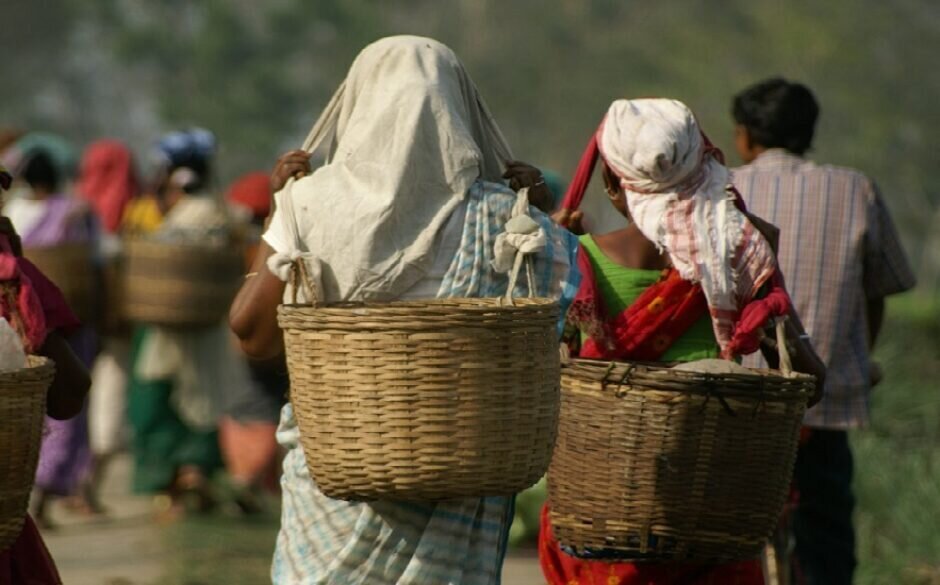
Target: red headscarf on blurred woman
108	181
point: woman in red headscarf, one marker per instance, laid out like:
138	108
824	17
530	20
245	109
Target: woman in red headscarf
108	181
690	277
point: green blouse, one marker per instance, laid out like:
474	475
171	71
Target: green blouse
619	286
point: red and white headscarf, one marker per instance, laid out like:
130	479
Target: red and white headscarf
677	190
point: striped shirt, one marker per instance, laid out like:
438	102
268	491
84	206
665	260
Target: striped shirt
838	249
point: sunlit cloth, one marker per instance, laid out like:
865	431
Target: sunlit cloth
678	194
108	181
410	136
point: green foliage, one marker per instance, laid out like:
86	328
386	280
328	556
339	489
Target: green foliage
898	457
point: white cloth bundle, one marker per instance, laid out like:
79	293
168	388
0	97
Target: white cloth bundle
410	135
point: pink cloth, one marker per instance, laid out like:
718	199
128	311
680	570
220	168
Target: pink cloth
22	305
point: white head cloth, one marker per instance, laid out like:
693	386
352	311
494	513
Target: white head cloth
678	196
410	135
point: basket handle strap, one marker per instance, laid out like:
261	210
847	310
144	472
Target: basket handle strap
529	244
300	277
786	364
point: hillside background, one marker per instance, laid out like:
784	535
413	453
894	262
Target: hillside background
257	73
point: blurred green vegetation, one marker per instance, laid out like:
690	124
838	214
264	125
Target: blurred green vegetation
257	73
898	456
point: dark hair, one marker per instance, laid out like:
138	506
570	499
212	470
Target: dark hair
778	114
39	170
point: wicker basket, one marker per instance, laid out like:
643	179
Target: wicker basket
69	266
179	285
662	465
424	401
22	407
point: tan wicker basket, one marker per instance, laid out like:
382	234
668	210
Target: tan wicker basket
179	285
424	401
22	408
663	465
70	267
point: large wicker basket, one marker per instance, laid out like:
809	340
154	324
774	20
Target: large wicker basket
663	465
70	267
424	401
179	284
22	406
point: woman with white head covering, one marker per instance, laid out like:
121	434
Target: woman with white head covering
690	278
408	205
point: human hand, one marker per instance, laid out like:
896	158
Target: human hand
294	163
521	175
572	220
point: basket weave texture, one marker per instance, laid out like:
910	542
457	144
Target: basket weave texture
180	285
662	465
22	407
424	401
69	266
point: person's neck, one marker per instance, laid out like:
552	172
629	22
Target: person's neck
629	248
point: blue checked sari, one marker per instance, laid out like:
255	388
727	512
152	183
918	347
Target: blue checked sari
324	541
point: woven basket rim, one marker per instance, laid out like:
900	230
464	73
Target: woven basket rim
37	368
642	376
486	304
152	242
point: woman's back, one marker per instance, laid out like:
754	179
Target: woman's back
621	285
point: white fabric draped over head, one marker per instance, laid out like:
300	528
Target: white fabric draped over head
409	136
677	194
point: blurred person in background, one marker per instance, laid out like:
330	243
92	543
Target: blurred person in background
40	315
108	182
841	256
251	411
175	375
44	216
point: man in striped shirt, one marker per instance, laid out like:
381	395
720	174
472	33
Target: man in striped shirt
841	256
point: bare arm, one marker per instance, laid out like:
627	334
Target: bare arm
66	395
253	316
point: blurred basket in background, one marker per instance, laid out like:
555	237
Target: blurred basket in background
71	268
179	284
